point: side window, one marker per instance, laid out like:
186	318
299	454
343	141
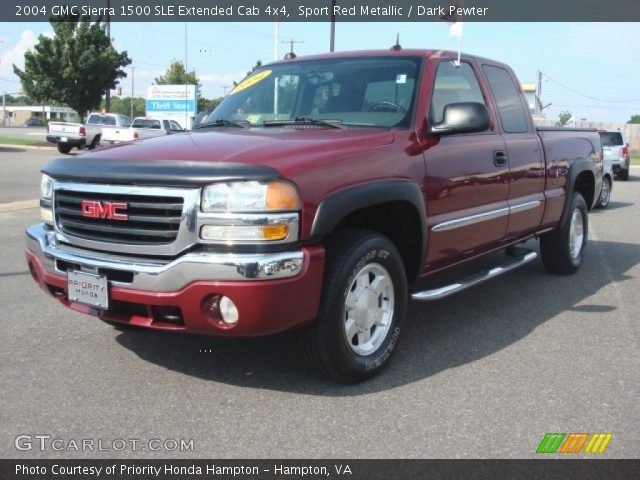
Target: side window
453	85
175	125
166	125
512	114
126	121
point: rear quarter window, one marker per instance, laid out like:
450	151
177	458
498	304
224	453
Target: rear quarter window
510	108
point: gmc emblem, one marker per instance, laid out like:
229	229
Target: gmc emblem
110	210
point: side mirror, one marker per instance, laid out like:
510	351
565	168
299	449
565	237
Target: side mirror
463	117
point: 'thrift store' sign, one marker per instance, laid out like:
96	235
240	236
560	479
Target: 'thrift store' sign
179	102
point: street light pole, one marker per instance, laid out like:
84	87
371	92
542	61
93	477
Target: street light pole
107	97
132	95
332	41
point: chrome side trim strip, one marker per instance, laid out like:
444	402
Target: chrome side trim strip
442	292
481	217
169	276
470	220
525	206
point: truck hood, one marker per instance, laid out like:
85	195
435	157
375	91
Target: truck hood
279	148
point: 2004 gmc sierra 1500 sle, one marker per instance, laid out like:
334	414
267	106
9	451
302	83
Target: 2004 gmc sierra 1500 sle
313	199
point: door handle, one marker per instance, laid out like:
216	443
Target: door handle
499	158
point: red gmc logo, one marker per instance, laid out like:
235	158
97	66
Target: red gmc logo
110	210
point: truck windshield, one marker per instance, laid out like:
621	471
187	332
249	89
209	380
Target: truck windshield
358	92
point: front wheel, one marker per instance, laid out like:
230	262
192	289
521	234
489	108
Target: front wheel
562	250
362	308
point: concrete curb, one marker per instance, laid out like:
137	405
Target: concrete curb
27	147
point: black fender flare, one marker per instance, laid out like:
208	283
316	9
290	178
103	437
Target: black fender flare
337	206
579	166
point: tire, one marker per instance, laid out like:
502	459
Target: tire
624	175
64	148
334	345
605	194
561	255
94	142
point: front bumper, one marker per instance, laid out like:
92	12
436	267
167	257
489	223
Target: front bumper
75	142
273	292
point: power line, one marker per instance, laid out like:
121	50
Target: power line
589	96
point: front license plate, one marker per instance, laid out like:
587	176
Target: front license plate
64	139
88	289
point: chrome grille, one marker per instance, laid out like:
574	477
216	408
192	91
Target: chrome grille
152	220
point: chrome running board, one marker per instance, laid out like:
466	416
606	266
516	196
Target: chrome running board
521	258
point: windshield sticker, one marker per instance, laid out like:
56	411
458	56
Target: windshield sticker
401	78
253	118
258	77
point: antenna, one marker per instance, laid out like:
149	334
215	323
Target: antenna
397	46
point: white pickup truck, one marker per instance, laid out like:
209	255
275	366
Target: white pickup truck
141	128
69	135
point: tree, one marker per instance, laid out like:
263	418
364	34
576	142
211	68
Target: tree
176	74
634	119
74	67
122	105
564	119
253	69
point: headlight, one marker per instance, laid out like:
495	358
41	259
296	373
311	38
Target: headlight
46	187
250	197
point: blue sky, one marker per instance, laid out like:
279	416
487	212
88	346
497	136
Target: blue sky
599	60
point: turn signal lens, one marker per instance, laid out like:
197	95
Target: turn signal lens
281	196
275	232
234	233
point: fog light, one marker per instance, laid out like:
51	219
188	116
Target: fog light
220	309
229	311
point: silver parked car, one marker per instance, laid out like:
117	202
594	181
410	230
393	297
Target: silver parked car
616	148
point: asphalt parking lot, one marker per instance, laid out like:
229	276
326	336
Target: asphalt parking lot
482	374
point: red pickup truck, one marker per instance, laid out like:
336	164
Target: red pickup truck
313	199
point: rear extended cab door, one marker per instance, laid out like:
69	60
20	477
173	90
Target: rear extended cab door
466	182
525	154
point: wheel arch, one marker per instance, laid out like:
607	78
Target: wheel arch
581	178
372	206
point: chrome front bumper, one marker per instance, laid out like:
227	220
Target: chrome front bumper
164	275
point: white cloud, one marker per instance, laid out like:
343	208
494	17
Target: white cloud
221	78
16	55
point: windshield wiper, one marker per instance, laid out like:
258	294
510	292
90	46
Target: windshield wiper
220	122
305	121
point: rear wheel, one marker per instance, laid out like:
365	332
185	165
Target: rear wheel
562	250
624	174
605	194
95	142
362	308
64	147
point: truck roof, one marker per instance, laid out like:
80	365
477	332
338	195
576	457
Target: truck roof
404	52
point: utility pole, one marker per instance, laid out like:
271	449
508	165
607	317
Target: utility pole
539	93
332	40
132	95
107	97
291	43
4	109
276	42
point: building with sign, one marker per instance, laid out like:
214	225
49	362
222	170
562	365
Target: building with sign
178	102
